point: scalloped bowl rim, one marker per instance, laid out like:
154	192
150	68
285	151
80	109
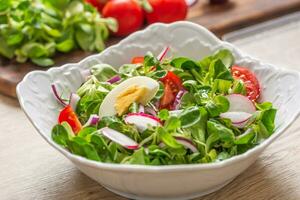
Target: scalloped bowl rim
160	168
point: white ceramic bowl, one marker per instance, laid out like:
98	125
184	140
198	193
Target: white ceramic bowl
160	182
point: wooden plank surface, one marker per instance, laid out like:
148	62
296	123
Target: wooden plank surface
30	169
218	18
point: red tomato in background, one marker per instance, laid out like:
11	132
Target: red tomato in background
167	11
137	60
128	13
99	4
172	85
68	115
249	79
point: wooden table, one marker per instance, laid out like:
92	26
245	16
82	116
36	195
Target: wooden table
31	169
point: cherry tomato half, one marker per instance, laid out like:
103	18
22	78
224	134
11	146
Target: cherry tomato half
68	115
249	79
172	85
128	13
167	11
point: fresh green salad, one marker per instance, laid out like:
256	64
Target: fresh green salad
161	110
35	30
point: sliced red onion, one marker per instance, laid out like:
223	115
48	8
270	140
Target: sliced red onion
92	121
163	53
178	97
187	143
191	2
74	98
119	138
114	79
85	74
240	103
141	109
142	120
57	97
150	111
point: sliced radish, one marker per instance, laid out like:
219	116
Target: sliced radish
74	99
119	138
142	120
240	103
92	121
236	117
187	143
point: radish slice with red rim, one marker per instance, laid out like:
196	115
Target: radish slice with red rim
142	120
236	117
119	138
240	103
187	143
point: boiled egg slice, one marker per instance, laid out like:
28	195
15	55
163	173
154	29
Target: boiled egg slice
140	89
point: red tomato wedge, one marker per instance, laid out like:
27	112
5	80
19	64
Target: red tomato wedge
173	85
68	115
249	79
137	60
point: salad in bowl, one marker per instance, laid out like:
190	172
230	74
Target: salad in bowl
164	110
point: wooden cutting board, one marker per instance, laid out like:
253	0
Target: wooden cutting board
219	19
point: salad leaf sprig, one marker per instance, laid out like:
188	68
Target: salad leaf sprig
36	30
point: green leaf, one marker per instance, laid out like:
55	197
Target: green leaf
172	124
246	137
217	70
103	72
34	50
5	49
189	117
218	105
167	138
216	132
60	135
225	56
264	106
15	39
150	60
86	131
65	46
222	86
163	114
43	62
138	157
268	119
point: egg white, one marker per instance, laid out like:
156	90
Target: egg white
107	108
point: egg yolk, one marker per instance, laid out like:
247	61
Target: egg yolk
126	98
